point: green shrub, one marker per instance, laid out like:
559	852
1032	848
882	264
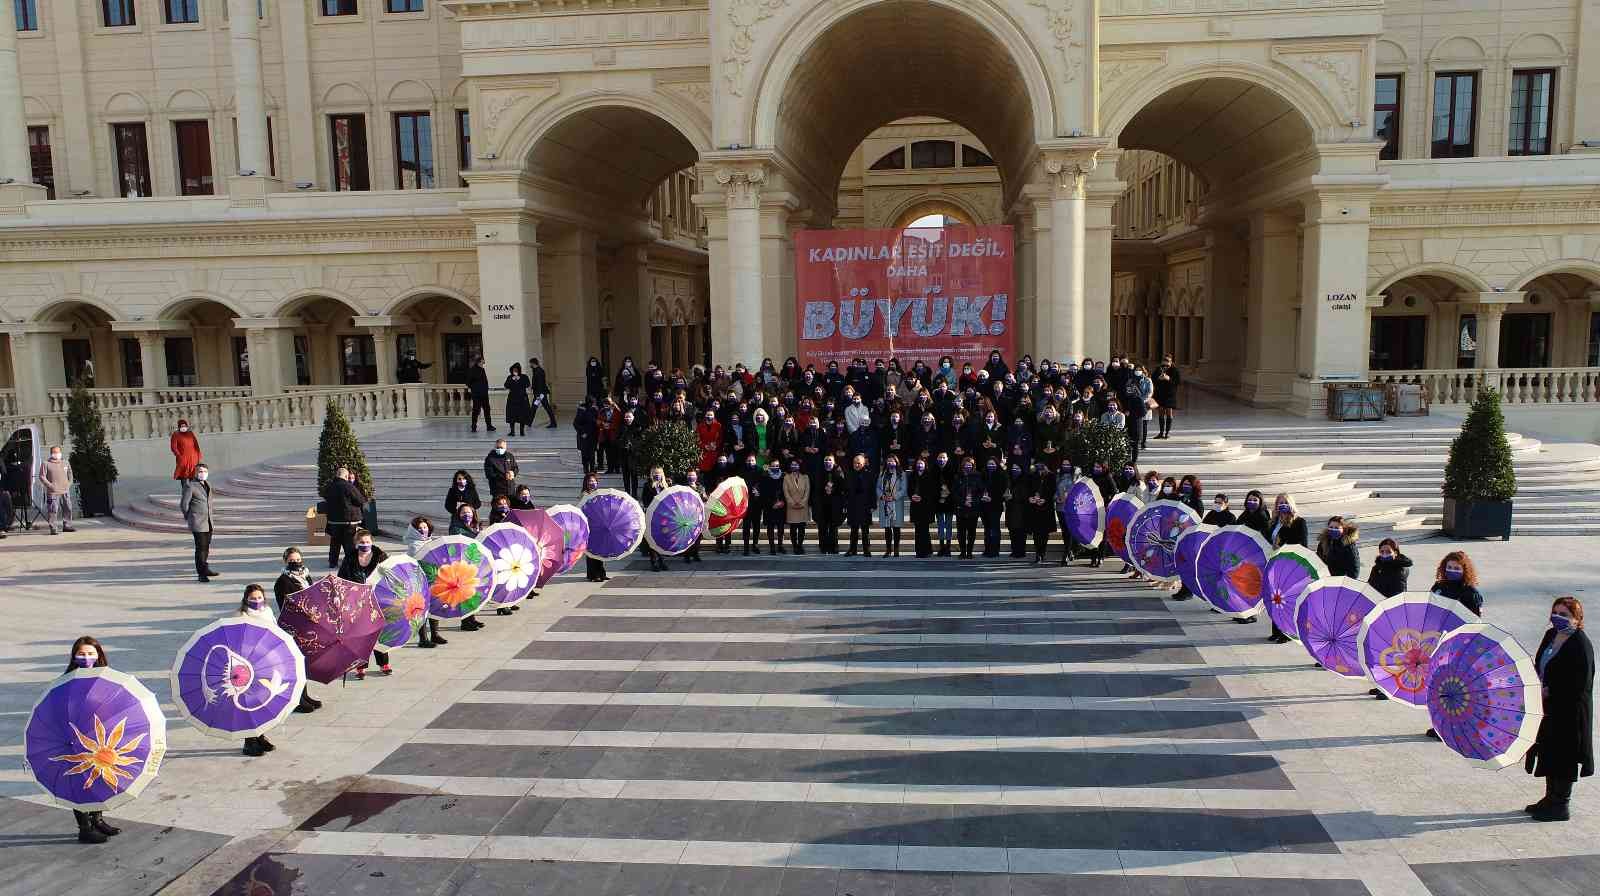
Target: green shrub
91	457
1094	443
1480	466
338	447
671	445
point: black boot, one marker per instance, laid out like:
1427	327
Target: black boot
86	831
100	824
252	747
1557	799
438	639
866	543
265	744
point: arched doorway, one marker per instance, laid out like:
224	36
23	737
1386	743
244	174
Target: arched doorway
327	346
440	330
200	347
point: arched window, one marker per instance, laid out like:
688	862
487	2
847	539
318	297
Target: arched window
894	160
933	154
973	157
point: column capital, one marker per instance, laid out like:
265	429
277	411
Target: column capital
1491	302
150	326
740	177
373	321
1067	163
267	323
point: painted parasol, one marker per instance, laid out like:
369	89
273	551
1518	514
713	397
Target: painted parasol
1483	695
1399	638
616	523
401	591
238	677
1153	537
574	534
1085	513
726	506
1187	550
1230	568
95	739
548	535
460	576
335	623
1119	513
1290	570
675	520
518	562
1328	619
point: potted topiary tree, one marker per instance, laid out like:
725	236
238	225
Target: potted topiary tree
339	447
93	467
670	445
1093	443
1479	479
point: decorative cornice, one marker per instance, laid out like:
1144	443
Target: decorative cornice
501	9
190	240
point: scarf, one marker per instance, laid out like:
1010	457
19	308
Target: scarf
301	578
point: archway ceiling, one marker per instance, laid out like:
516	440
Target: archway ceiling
1221	128
618	152
894	60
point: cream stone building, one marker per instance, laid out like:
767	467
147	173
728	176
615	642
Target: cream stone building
228	197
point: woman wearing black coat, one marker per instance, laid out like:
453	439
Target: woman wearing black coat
827	504
1337	548
1564	749
922	485
357	568
1017	489
861	498
594	379
1287	528
1042	510
1255	514
1391	570
519	410
968	491
462	491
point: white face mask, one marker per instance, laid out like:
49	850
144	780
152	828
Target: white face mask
183	429
201	475
55	457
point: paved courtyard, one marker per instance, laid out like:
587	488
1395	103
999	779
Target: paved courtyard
791	725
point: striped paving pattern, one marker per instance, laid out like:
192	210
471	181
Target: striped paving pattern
818	728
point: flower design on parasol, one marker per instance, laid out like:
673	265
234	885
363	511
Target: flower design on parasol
1407	656
515	566
105	757
1117	535
456	583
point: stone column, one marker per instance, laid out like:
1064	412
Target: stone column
153	364
1102	198
295	35
576	280
250	107
631	334
1066	166
15	163
1333	294
1491	310
737	313
382	329
1222	341
1443	335
36	364
1269	351
508	272
266	371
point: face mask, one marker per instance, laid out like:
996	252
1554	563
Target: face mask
1454	575
1166	489
1219	505
1152	485
83	662
201	475
466	517
751	464
1251	503
183	429
297	565
1284	508
893	467
774	473
461	483
1560	623
921	467
499	451
1335	532
827	465
1385	555
255	603
1187	489
55	457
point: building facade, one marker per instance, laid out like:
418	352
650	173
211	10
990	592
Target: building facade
269	195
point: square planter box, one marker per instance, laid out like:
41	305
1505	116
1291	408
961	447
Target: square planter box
1477	519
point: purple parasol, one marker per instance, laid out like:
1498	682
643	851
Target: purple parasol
675	521
401	591
1186	551
574	534
548	535
726	506
238	677
335	623
1153	537
1290	570
460	576
616	523
1119	513
1399	638
1483	695
1328	619
1230	568
1085	513
95	739
518	561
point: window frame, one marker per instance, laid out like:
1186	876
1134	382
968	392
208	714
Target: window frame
117	155
1554	74
401	122
390	12
166	14
49	183
911	156
324	15
463	144
1395	149
332	119
27	11
179	160
130	6
1476	76
902	151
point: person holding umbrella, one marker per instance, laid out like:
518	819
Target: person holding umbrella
1390	571
1287	528
254	606
1563	751
86	653
358	567
596	569
294	577
1457	579
466	524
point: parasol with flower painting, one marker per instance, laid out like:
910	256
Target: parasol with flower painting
460	575
401	591
518	561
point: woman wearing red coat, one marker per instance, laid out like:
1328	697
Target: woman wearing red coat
186	450
709	432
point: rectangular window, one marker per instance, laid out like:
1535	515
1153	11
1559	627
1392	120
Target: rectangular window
463	142
359	361
181	12
348	135
1533	97
27	15
933	154
1525	340
405	344
339	8
241	361
133	160
413	151
77	361
1455	114
1467	342
1386	116
39	158
132	364
302	360
117	13
180	362
194	158
404	6
460	350
1398	343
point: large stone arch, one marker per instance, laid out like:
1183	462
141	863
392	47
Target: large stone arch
1581	267
403	302
1468	280
934	202
296	301
54	309
190	300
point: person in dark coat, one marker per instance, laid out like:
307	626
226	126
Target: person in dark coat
410	369
1219	515
294	578
1166	396
500	470
1255	514
944	513
539	388
345	502
922	487
1016	488
827	504
755	513
1563	751
586	423
87	653
1391	570
1457	579
1042	510
595	570
1107	484
1287	528
357	567
462	491
861	498
478	390
773	507
1191	493
969	491
1337	548
467	524
519	412
654	485
594	379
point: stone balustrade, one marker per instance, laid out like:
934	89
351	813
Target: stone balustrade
108	399
1532	385
8	402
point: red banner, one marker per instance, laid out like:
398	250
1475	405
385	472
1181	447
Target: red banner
915	293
